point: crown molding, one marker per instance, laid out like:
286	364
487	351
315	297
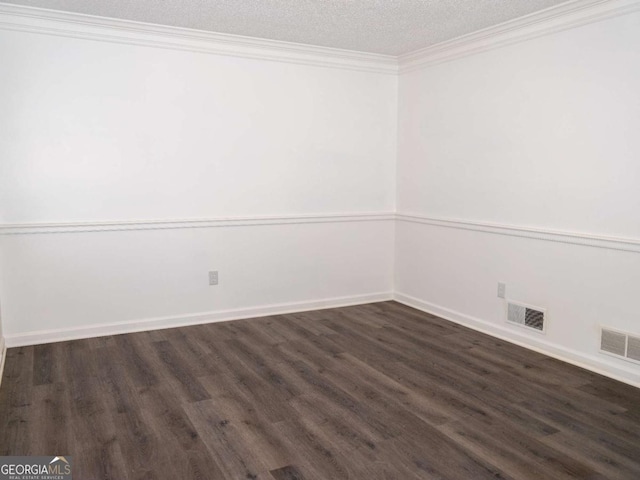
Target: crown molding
125	225
574	238
545	22
88	27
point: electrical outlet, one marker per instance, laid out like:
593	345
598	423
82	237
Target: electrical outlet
213	277
502	289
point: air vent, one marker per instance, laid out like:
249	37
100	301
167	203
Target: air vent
620	344
613	342
526	316
633	348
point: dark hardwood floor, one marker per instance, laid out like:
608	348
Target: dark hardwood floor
377	391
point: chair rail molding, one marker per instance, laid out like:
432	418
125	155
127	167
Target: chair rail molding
575	238
110	226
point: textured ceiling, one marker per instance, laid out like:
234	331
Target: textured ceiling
379	26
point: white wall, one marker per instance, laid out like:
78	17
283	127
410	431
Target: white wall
102	131
79	281
3	350
1	332
540	134
96	131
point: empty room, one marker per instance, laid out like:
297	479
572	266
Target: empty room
319	239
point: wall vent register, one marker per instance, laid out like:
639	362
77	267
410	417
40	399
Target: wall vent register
533	318
620	344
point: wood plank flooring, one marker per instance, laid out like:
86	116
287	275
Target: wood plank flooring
378	391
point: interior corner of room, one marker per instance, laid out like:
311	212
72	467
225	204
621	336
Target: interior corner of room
130	171
151	180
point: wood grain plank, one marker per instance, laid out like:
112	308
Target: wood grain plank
375	392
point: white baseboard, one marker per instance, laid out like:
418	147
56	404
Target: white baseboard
3	356
592	363
588	362
59	335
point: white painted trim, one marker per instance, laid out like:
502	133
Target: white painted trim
545	22
89	27
575	238
142	325
622	373
81	227
3	356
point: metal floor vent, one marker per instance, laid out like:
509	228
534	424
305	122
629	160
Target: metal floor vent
620	344
526	316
